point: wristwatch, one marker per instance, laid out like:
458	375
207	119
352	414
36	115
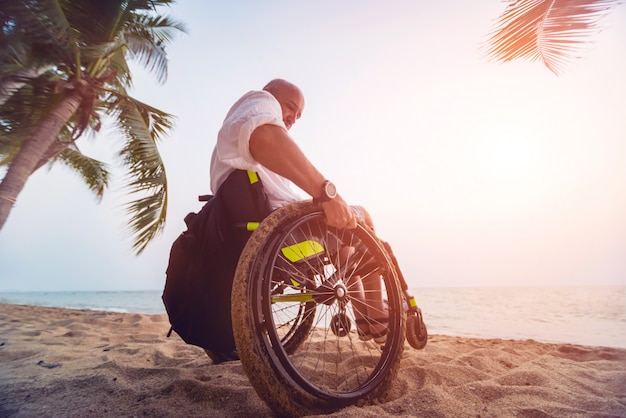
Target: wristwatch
329	192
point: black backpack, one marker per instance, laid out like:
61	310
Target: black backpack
203	260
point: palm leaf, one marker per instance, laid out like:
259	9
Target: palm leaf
9	146
51	47
93	172
35	36
123	76
40	23
24	109
147	37
142	126
551	31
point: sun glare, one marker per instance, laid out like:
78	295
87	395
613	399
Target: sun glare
512	155
504	172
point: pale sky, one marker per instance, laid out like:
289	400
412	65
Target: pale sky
478	173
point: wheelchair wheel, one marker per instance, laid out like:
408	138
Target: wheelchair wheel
296	305
416	332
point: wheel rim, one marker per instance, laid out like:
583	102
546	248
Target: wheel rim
338	368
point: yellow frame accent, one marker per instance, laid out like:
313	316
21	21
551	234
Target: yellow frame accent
302	250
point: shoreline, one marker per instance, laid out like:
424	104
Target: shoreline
58	362
591	316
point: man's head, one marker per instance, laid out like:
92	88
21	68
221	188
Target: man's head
290	98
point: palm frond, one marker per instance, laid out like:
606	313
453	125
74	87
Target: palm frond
94	21
17	76
157	121
35	36
119	64
147	178
10	145
551	31
147	37
52	48
39	22
15	57
24	109
93	172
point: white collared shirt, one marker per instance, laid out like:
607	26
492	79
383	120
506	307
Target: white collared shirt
232	151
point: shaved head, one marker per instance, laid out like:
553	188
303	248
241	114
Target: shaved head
290	98
279	85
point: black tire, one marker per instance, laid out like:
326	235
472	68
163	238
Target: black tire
293	360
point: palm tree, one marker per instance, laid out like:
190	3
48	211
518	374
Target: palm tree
548	30
63	68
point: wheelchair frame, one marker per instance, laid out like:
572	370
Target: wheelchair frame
294	311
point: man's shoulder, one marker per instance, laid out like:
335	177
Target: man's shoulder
254	102
258	95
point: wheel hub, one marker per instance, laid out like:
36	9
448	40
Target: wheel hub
341	292
327	295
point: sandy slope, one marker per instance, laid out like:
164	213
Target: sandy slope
67	363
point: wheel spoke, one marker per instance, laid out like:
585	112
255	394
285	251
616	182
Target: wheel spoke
310	290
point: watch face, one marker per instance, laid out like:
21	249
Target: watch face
331	190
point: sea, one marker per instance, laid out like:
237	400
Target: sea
589	315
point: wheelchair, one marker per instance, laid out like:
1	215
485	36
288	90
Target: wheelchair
295	313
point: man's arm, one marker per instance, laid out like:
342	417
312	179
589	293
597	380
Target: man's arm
273	148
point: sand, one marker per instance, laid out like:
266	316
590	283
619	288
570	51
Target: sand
71	363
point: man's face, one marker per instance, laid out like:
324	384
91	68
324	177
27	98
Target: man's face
292	104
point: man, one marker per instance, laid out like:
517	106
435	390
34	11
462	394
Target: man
254	138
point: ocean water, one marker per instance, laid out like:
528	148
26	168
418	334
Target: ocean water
594	316
140	301
590	315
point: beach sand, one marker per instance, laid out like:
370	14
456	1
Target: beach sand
69	363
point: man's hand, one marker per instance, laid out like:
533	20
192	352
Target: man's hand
339	214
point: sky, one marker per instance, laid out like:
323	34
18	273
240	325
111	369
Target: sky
478	173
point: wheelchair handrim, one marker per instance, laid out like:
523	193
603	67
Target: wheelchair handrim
280	359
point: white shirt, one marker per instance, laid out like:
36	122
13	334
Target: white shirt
232	150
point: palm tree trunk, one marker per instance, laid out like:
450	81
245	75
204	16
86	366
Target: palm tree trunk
33	151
